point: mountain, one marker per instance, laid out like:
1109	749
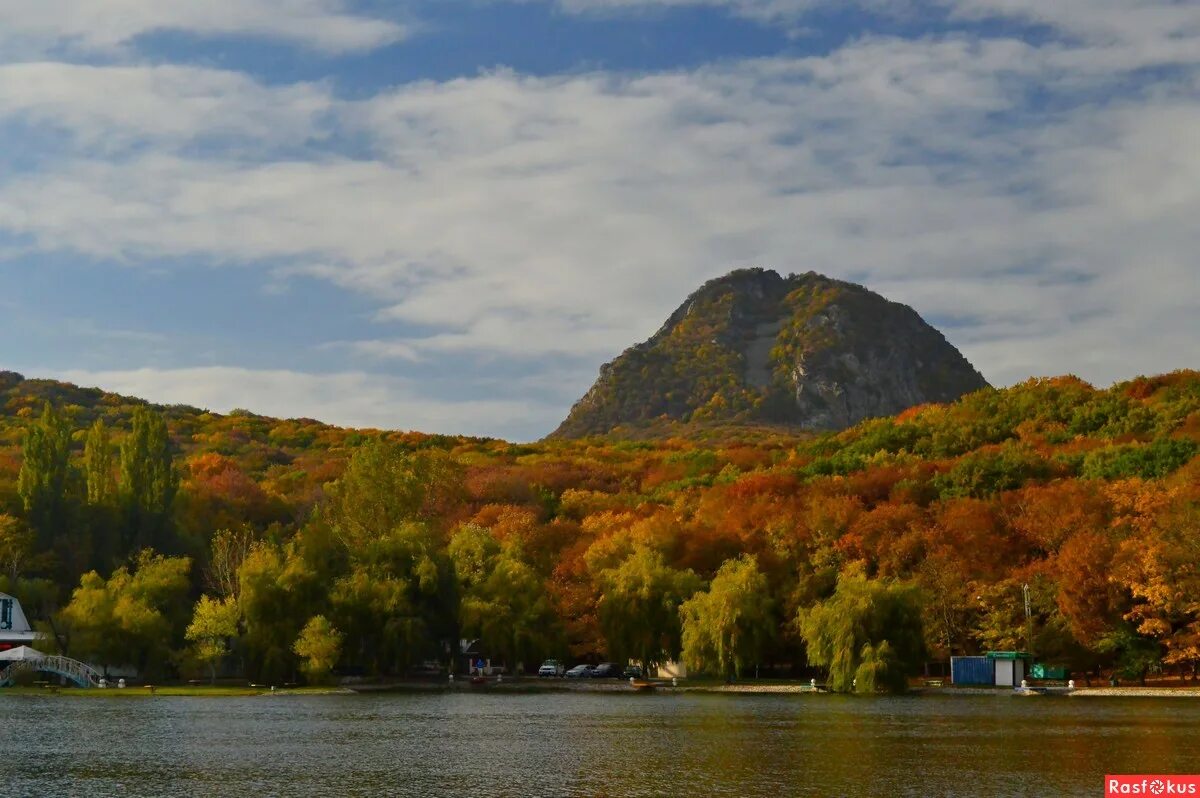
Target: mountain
803	351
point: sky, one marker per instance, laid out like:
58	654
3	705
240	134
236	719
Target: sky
444	215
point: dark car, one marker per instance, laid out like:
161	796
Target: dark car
607	670
633	672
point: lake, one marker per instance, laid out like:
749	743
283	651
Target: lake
588	744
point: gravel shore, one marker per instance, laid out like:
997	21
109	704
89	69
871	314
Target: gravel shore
1138	692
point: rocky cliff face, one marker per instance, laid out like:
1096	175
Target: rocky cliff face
803	351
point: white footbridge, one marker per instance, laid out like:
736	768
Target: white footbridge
80	673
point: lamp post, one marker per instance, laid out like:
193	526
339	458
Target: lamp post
1028	620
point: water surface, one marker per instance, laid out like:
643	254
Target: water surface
551	744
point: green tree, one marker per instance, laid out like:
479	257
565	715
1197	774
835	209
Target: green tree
858	620
102	517
385	486
16	547
395	603
98	466
214	622
504	601
726	628
1134	656
319	646
148	481
45	479
639	608
879	671
277	589
134	617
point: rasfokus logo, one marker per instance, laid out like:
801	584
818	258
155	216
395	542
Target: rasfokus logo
1151	785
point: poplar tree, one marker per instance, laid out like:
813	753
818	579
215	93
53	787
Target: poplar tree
148	481
44	480
98	465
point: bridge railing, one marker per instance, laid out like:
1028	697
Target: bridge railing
81	673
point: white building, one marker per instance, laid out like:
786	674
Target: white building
14	626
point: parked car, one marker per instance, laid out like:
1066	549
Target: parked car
607	670
551	667
427	668
580	672
633	672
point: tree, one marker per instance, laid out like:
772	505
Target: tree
639	608
396	603
214	621
277	589
16	546
319	645
385	486
1160	571
865	621
148	481
45	479
98	466
230	547
726	628
504	601
133	617
879	670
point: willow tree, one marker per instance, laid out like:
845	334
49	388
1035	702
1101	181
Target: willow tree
639	608
396	603
726	628
866	622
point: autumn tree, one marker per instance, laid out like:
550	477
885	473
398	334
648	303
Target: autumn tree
726	628
319	647
1162	571
214	622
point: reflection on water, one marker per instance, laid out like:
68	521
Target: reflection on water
470	744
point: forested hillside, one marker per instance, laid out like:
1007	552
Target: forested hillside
189	543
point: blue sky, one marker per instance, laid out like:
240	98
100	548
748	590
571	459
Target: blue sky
446	215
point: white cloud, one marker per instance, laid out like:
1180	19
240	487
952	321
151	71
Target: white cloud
114	107
29	28
519	217
354	399
1121	34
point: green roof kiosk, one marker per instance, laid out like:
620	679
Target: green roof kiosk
1011	667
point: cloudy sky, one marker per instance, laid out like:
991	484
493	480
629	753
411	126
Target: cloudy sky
446	214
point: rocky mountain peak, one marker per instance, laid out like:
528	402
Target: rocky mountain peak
803	351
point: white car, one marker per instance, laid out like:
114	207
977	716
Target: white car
580	671
551	667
